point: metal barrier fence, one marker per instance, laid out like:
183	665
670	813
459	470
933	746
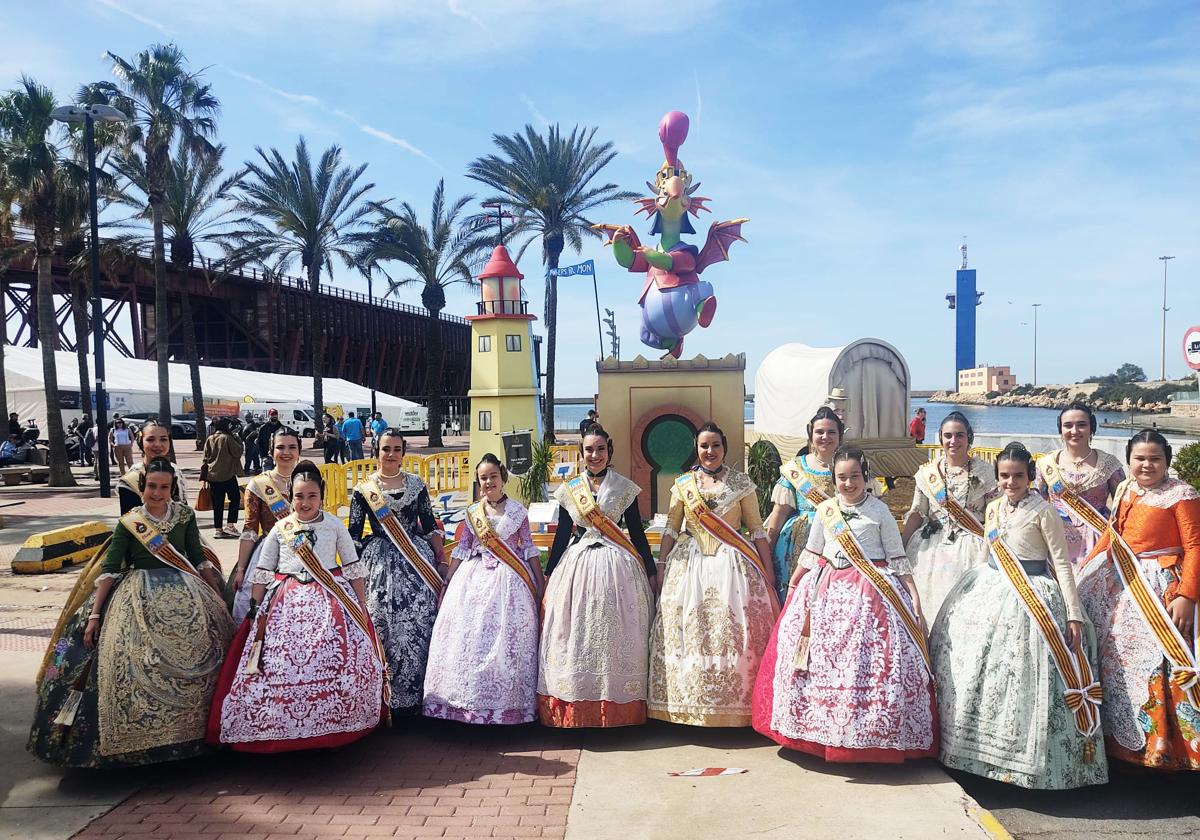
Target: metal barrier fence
985	453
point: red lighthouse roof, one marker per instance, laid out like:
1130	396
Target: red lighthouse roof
500	264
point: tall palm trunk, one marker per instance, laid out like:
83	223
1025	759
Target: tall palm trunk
60	469
552	255
79	315
4	409
433	373
193	361
162	319
316	336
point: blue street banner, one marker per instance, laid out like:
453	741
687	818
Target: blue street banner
586	268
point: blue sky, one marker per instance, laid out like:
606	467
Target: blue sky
863	141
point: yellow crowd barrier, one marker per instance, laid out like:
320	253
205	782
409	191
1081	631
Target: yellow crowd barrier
985	453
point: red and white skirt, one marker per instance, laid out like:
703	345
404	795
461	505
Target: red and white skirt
319	683
865	695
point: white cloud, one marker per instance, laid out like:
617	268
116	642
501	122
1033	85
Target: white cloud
387	137
140	18
300	98
533	110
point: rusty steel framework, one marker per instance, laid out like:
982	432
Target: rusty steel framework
257	323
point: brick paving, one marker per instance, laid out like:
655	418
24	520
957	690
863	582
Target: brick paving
420	779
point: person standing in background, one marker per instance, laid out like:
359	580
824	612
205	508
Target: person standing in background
916	429
121	440
253	454
352	433
592	419
222	466
265	433
14	424
378	425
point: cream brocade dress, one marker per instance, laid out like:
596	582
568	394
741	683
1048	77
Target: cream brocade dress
715	615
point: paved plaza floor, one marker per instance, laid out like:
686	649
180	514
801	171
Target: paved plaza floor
426	778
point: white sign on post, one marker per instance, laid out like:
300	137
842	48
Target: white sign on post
1191	347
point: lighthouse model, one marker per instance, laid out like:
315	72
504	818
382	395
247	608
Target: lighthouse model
504	389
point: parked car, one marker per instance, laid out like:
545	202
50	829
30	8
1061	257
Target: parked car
181	427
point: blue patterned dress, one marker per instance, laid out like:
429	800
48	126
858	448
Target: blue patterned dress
794	533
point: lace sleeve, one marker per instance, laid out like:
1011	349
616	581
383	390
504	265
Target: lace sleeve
781	494
466	542
426	523
524	539
358	519
356	570
674	516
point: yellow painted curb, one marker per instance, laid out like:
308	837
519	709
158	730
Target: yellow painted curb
988	822
49	551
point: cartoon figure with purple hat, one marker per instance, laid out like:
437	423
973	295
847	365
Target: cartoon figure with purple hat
674	299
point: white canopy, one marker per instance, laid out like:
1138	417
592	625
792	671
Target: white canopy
133	389
795	380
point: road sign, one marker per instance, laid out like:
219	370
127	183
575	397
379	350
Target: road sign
1191	347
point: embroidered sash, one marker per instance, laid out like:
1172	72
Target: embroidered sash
489	539
1185	672
390	524
693	500
946	501
263	487
795	475
1082	694
585	503
1081	507
156	542
835	523
289	532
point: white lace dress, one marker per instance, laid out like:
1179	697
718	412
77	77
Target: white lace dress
483	655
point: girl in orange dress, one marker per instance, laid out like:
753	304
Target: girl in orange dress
1150	709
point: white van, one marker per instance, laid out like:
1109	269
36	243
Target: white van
298	416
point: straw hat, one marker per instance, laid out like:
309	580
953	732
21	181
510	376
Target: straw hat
837	395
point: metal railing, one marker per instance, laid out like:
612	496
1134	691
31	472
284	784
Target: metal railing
985	453
502	307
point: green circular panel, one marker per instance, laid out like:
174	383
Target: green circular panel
669	442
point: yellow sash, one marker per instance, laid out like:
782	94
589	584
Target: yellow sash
377	501
291	533
834	522
1185	672
263	487
489	539
794	473
693	500
945	500
1082	694
585	503
1081	507
156	542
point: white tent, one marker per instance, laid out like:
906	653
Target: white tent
133	389
795	380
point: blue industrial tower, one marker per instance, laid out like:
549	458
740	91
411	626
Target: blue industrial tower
963	301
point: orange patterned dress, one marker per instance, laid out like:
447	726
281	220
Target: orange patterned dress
1147	719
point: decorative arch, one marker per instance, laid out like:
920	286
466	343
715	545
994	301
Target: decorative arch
655	459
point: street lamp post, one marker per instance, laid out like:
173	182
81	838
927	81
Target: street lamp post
89	115
1035	309
1163	372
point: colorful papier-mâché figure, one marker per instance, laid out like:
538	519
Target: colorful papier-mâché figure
674	299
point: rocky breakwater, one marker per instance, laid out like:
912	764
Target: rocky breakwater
1055	398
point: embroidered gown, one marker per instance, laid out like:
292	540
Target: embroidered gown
158	654
1095	484
402	606
593	658
319	683
715	615
866	694
941	551
259	522
794	533
483	655
1147	718
1000	696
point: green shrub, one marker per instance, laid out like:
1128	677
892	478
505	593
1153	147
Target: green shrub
1187	464
762	465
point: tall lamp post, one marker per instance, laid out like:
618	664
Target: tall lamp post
89	115
1163	373
1035	309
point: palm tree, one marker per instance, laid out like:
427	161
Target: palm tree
197	211
35	164
7	252
165	101
437	256
297	211
547	183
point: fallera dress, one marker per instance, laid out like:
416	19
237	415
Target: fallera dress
1148	719
146	686
593	657
865	693
1095	484
403	607
794	534
1000	697
715	614
483	655
267	501
317	682
941	552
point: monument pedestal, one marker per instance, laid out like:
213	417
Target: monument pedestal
652	410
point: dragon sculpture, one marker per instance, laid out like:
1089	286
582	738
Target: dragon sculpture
674	299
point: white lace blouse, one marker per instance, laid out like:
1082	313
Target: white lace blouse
874	526
330	541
